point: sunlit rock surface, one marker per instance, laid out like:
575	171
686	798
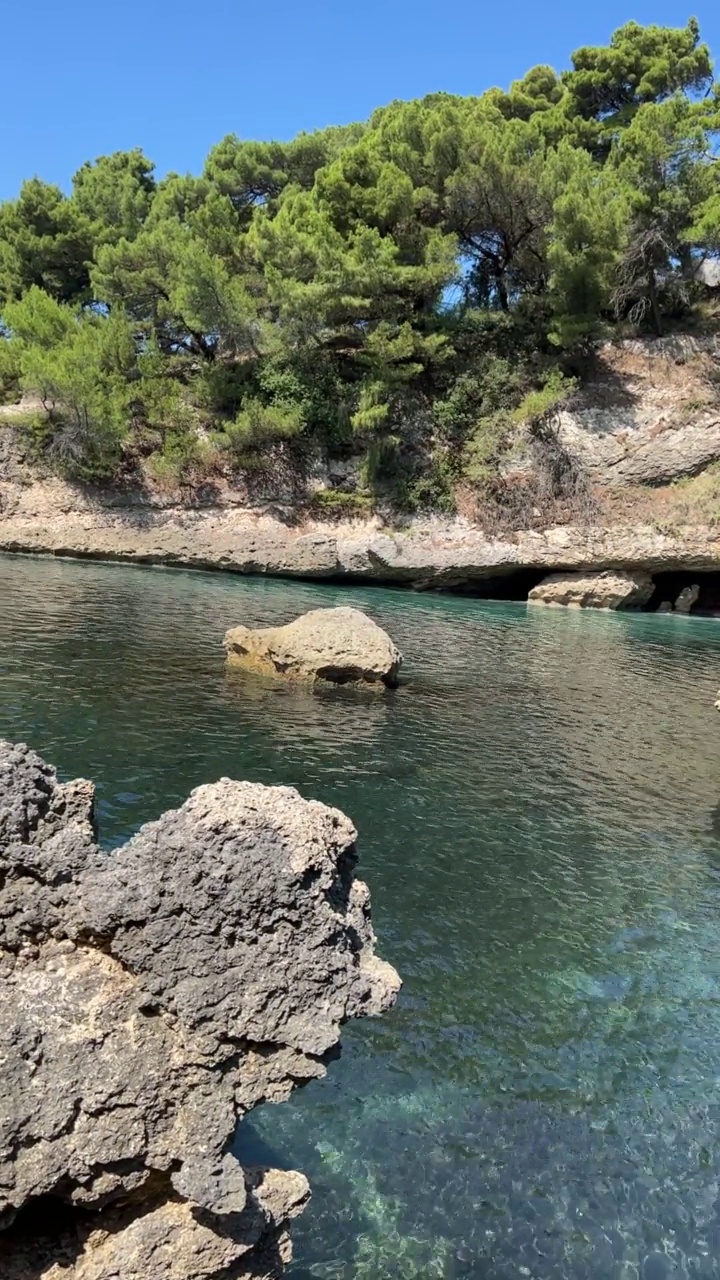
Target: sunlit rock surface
150	999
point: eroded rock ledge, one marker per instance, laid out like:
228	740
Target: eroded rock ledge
444	553
151	998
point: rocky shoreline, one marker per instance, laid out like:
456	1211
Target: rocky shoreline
152	998
644	421
445	554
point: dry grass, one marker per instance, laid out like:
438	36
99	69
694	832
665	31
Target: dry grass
692	501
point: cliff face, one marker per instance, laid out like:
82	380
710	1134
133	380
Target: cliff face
150	999
425	553
643	432
649	414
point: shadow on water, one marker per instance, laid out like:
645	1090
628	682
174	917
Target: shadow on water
252	1149
715	820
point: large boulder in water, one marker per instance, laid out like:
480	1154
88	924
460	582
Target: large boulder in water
341	646
149	999
612	589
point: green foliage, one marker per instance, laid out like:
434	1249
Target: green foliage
587	233
373	410
410	287
429	487
181	455
37	320
85	387
113	195
556	389
221	386
496	384
259	424
498	204
666	167
339	505
485	445
43	243
640	65
10	373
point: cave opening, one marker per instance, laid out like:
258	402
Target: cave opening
516	584
675	591
701	588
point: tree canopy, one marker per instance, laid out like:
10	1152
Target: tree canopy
431	266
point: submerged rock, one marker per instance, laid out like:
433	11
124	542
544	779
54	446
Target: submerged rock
612	589
151	998
336	645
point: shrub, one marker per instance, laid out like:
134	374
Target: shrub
81	368
259	424
334	503
10	373
556	390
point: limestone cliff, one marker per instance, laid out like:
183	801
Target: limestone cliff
642	432
650	412
150	999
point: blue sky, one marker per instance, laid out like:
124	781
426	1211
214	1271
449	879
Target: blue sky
87	77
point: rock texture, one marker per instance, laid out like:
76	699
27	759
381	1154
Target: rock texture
151	998
428	553
650	414
611	590
341	646
687	598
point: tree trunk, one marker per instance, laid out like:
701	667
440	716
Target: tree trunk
652	294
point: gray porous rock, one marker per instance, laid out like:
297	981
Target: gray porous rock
150	998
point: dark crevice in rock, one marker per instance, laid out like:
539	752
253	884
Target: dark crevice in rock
674	592
513	585
46	1231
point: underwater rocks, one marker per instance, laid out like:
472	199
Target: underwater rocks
340	646
612	589
151	998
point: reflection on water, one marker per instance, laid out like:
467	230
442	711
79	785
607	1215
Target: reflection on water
539	809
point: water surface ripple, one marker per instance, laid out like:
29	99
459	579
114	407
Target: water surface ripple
539	809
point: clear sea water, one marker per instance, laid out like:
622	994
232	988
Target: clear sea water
539	812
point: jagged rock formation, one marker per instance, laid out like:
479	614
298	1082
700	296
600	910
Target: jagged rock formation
341	646
612	590
151	998
687	598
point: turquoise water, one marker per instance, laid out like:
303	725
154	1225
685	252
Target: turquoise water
539	809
